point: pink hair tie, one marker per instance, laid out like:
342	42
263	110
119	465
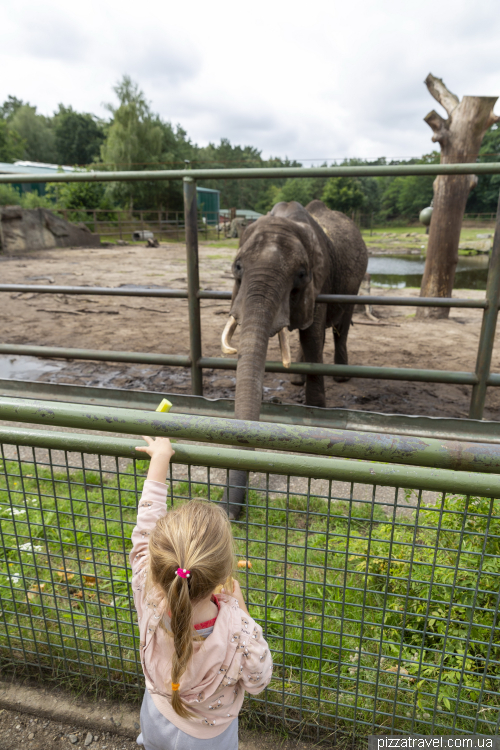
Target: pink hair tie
183	573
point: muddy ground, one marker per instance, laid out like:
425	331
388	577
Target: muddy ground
155	325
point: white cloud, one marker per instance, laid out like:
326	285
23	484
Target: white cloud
318	80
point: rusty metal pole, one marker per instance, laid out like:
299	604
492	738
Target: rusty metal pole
488	327
193	281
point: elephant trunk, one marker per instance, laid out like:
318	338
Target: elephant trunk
259	312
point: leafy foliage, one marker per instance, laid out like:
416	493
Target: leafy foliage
9	196
79	136
77	196
343	194
36	132
484	198
138	139
11	143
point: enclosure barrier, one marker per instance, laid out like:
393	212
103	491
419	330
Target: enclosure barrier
479	380
377	584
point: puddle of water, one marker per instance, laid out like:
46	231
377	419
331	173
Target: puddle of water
399	271
25	368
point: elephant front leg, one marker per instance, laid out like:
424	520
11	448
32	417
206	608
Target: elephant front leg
340	334
312	341
298	378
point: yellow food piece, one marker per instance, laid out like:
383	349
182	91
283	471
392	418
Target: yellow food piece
165	405
244	564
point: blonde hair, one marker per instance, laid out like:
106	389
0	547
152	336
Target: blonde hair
196	536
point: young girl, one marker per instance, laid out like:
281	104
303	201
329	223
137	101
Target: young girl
199	652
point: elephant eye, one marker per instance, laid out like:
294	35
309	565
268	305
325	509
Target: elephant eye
301	277
238	269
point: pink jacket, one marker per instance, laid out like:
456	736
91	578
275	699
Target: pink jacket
234	658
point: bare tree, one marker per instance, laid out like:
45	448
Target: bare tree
459	136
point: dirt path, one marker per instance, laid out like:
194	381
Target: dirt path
36	717
399	340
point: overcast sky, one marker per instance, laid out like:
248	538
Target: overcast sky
310	80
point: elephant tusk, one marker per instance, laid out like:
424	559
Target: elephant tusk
286	356
227	335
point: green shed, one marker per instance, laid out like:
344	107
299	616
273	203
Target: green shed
208	202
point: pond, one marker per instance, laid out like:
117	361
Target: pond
399	271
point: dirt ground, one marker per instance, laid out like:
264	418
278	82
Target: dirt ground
161	325
21	731
38	716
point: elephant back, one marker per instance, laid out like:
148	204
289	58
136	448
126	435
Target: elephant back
350	255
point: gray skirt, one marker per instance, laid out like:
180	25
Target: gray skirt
158	733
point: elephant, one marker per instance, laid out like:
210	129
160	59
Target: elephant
285	259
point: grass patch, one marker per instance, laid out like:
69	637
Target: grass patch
373	621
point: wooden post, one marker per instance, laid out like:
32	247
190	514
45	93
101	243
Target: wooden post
460	137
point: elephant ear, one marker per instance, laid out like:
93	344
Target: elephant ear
303	311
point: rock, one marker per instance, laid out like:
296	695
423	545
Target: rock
136	725
73	738
482	246
483	236
88	739
31	735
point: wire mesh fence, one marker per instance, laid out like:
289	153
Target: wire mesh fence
380	604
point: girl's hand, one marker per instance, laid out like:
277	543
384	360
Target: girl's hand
160	450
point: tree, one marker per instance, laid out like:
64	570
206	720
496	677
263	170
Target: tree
484	198
407	195
9	196
11	143
10	107
37	132
76	196
138	139
343	194
459	136
78	136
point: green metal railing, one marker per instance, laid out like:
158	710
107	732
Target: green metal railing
377	584
479	380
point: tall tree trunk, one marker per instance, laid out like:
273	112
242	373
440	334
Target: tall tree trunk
460	137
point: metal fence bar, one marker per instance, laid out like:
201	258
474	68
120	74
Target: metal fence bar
363	472
441	428
359	371
223	295
443	454
488	327
218	363
258	173
103	291
144	358
193	280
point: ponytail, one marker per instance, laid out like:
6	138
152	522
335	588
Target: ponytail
181	615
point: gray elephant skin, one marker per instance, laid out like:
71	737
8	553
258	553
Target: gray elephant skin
285	259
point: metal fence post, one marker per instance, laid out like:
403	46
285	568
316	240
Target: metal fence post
488	327
193	281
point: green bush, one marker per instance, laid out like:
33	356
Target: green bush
439	580
9	196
